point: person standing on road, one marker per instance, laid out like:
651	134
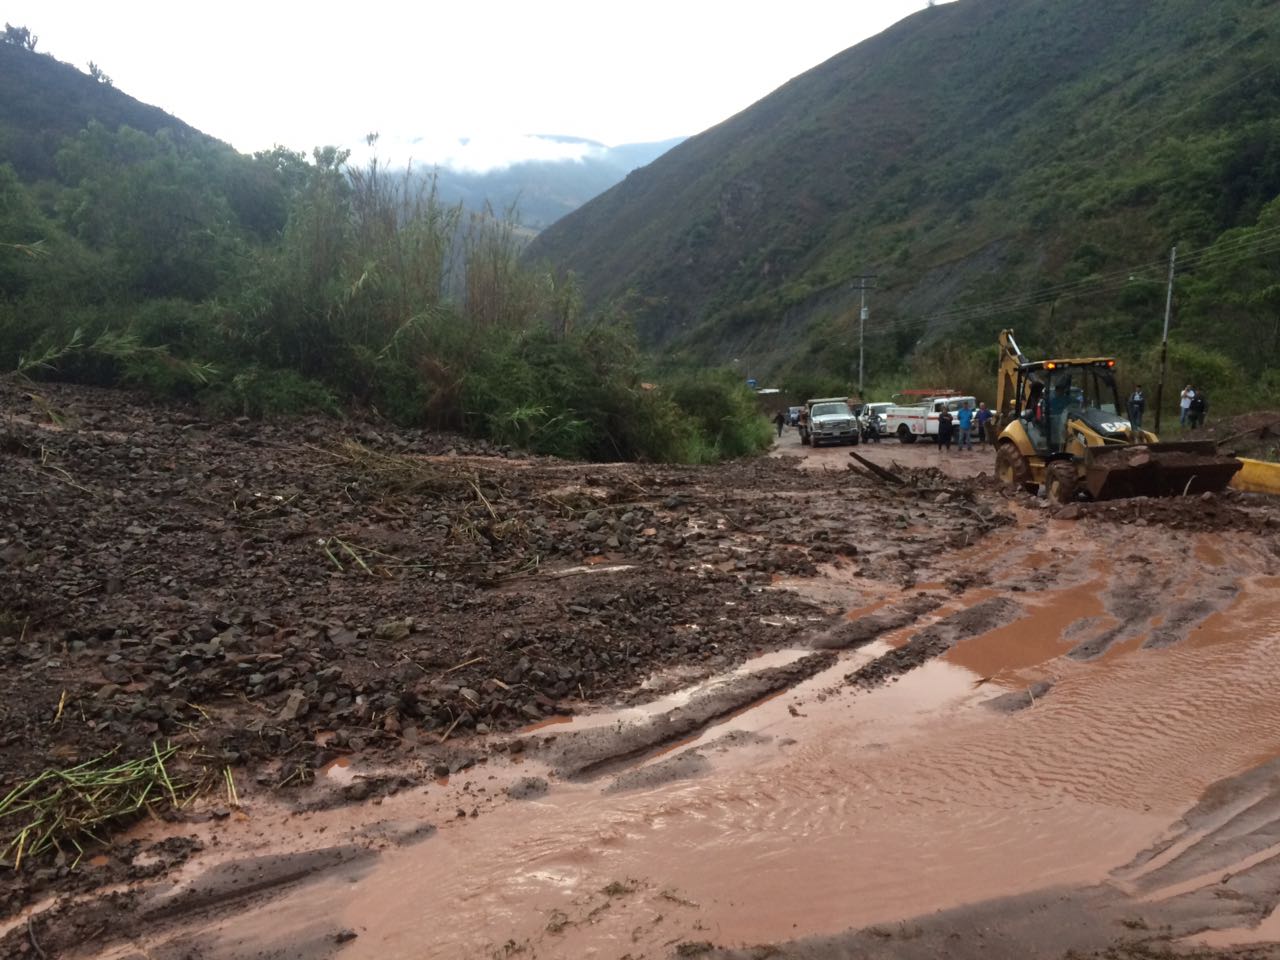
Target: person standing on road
944	429
780	421
983	417
1184	404
1137	404
1199	407
964	420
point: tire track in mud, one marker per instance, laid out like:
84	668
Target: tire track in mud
1132	603
1236	819
937	639
229	883
857	633
1137	605
1186	616
586	753
152	910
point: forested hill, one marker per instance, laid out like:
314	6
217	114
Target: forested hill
45	101
136	251
977	157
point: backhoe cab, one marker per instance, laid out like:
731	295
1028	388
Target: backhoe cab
1062	427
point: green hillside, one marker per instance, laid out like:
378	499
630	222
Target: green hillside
993	162
136	251
45	101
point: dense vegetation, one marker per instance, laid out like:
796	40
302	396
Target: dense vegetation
995	163
280	283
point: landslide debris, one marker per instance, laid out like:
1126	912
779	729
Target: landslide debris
282	593
1205	512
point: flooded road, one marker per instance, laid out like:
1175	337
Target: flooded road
1041	753
887	453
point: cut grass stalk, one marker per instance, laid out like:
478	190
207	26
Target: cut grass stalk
56	809
233	797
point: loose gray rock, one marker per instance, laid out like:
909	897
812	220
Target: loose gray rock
527	788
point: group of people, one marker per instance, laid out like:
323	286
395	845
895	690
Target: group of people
964	423
1192	407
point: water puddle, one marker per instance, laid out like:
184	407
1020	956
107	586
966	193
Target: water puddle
826	806
543	724
1042	635
591	569
339	771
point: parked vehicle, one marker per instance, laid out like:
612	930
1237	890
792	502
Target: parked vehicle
910	422
830	420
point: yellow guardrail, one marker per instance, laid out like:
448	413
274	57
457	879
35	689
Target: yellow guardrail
1257	476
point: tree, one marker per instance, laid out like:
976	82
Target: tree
96	72
20	37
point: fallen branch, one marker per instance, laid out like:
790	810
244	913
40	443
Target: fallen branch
456	721
1262	432
465	663
35	944
885	475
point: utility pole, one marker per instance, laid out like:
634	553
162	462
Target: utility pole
1164	341
865	282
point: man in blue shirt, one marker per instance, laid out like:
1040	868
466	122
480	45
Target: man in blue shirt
983	417
964	420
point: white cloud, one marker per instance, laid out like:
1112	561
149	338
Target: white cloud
256	74
472	154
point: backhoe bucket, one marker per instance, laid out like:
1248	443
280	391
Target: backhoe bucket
1157	469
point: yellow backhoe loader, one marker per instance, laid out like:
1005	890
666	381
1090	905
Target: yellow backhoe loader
1061	426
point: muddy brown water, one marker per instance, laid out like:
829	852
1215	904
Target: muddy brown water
829	807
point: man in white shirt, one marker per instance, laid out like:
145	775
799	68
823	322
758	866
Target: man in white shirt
1185	403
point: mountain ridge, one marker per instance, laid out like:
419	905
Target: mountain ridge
48	100
971	150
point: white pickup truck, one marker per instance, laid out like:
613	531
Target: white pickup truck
909	422
829	420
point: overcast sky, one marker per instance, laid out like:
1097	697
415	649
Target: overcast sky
494	71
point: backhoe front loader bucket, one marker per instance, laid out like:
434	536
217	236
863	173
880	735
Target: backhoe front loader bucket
1157	469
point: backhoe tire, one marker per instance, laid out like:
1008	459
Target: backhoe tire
1012	468
1061	482
905	435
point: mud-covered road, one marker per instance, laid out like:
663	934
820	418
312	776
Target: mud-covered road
479	705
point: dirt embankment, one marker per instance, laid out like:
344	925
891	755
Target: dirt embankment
1255	435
